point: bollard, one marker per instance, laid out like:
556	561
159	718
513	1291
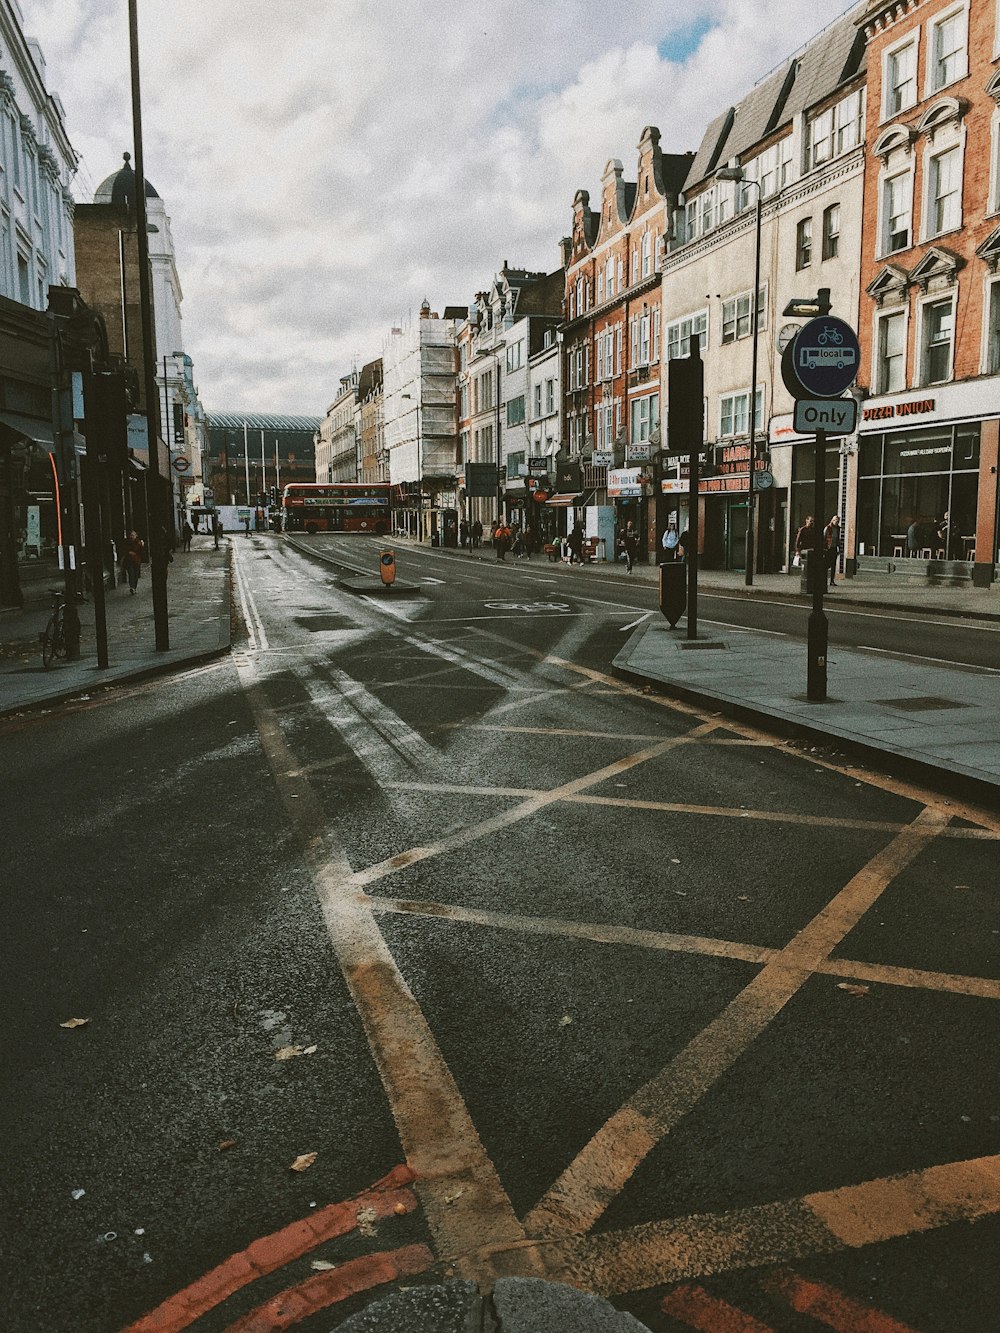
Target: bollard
673	591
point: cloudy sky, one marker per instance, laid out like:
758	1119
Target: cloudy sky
328	163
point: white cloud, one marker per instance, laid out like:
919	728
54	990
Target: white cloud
327	165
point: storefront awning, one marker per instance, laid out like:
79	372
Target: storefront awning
565	500
13	425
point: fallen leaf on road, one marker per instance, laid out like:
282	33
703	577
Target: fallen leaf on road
852	988
304	1161
322	1265
287	1052
366	1221
75	1023
565	1021
226	1144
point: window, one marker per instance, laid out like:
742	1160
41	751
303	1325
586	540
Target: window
618	349
515	355
736	322
947	58
635	264
515	462
621	274
993	329
772	168
600	286
538	400
849	122
550	396
644	417
900	79
891	372
897	195
831	231
609	283
821	138
944	197
680	333
994	197
463	400
938	322
656	334
734	413
803	243
515	411
647	252
644	339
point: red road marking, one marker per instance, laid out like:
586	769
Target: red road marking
696	1307
828	1305
273	1251
322	1290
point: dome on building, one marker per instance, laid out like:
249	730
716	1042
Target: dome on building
119	187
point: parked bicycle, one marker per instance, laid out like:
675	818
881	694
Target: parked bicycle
54	637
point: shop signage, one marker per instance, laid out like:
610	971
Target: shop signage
723	485
889	411
673	486
537	466
603	458
623	482
637	452
837	416
763	480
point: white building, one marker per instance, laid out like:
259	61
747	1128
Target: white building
337	442
37	166
798	138
419	366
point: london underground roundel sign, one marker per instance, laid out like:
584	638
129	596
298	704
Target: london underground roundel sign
826	356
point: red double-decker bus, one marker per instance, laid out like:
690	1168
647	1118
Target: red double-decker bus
338	507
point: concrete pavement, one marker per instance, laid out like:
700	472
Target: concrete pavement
199	620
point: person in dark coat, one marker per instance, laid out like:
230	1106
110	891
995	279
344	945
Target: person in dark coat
132	555
575	543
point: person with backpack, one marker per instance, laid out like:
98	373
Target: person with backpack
670	542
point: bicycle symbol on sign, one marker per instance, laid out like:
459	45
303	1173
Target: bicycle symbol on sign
830	336
530	607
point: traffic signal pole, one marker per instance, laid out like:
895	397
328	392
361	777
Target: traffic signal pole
818	628
154	500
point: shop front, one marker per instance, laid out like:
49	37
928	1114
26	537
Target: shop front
627	489
926	500
725	488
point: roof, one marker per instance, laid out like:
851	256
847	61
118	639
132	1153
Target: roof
829	59
119	187
259	421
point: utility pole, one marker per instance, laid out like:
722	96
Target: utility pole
157	546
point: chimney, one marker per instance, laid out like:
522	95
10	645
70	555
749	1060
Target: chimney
566	251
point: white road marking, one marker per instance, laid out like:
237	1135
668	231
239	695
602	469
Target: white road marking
384	605
632	624
938	661
425	579
251	615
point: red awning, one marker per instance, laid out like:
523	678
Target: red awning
565	500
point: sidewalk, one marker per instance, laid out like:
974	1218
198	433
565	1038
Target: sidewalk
198	602
938	724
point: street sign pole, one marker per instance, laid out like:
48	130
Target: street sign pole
691	550
818	627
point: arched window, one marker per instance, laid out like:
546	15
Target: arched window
647	250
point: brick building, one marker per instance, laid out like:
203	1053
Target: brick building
612	334
926	467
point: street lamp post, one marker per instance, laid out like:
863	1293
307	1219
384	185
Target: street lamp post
737	173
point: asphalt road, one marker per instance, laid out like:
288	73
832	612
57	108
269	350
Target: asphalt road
649	1002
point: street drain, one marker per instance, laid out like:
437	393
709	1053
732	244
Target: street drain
921	704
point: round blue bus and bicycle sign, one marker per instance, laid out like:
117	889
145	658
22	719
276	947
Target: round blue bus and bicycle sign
827	356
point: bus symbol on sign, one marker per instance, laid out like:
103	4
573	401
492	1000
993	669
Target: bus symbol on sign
811	357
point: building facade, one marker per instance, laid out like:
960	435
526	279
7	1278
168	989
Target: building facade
337	439
927	462
373	461
795	143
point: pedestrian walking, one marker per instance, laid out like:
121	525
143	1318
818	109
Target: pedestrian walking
501	541
575	543
463	534
805	540
187	532
831	538
670	541
246	525
133	552
477	534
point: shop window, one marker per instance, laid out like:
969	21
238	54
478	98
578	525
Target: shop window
899	79
926	498
945	192
891	371
897	209
831	231
803	243
938	323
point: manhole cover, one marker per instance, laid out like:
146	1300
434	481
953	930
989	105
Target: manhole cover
316	624
684	643
922	704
